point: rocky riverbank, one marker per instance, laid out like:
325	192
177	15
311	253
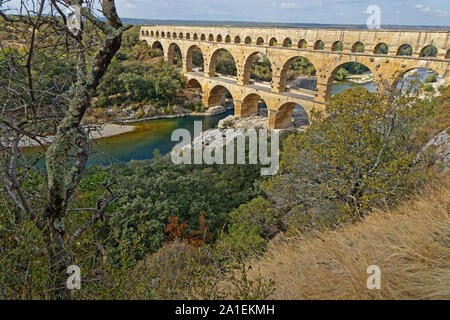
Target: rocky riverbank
361	78
229	128
259	120
140	113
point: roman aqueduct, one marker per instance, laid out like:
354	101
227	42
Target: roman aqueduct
282	46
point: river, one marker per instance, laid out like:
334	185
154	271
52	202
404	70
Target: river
148	136
156	134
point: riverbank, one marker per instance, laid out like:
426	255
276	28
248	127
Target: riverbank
361	78
95	132
119	126
186	113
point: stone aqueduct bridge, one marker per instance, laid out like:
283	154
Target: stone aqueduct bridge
282	46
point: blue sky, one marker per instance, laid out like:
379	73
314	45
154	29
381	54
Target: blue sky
406	12
403	12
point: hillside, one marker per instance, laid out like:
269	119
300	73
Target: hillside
410	244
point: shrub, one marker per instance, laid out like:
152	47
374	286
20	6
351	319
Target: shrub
153	53
243	239
176	271
428	88
342	74
258	212
431	78
153	191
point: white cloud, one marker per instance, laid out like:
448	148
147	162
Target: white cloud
289	5
298	4
429	10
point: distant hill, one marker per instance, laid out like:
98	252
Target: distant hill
272	24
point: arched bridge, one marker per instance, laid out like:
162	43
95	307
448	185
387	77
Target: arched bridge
282	46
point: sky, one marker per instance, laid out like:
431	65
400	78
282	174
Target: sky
397	12
400	12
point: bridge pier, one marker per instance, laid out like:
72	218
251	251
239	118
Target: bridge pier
238	112
279	83
324	91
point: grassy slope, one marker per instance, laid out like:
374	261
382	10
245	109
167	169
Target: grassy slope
411	245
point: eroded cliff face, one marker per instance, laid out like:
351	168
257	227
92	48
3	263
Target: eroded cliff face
440	148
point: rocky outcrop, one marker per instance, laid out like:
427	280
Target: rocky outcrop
259	120
215	110
440	147
253	121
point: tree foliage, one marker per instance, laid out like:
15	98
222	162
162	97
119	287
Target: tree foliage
131	81
152	192
358	157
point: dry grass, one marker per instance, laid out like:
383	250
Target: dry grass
410	244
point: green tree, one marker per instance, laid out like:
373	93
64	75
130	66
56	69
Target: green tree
226	64
341	74
361	155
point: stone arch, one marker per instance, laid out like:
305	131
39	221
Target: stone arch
152	33
217	96
174	35
174	50
211	37
405	50
157	45
180	36
302	44
227	38
337	46
237	39
146	33
248	40
421	75
300	117
219	38
195	37
247	67
163	34
194	84
168	34
273	42
282	118
260	41
285	69
202	37
381	48
287	42
319	45
249	105
334	72
358	47
142	33
189	58
213	61
428	51
188	36
157	33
